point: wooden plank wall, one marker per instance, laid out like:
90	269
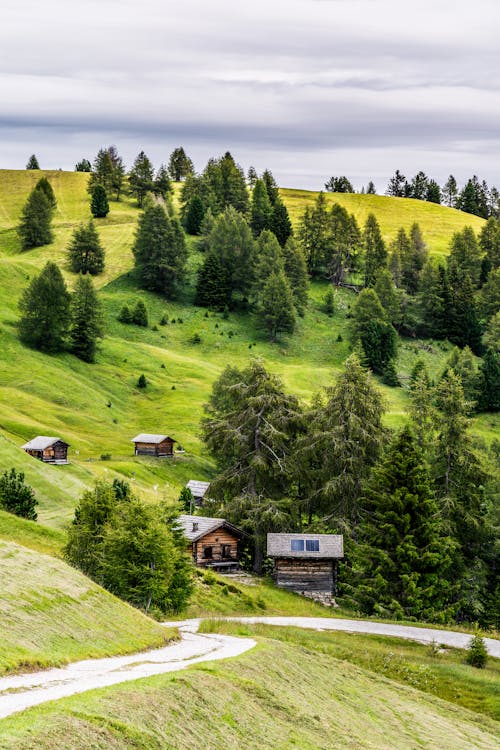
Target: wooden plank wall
215	539
304	575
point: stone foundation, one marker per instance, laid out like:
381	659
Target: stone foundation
322	597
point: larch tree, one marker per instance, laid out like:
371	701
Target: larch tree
44	306
375	250
35	226
85	252
86	320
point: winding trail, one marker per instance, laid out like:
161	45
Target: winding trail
18	692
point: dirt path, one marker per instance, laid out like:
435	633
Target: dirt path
18	692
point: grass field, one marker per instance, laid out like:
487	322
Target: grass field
294	690
98	408
51	614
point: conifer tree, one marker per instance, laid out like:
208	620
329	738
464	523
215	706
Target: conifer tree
232	242
179	165
275	307
44	307
32	162
161	183
402	554
212	288
194	216
261	210
16	496
366	308
488	383
99	206
83	166
85	252
34	229
139	315
226	182
280	223
386	292
140	178
465	255
102	171
491	336
464	328
379	342
490	295
422	410
271	186
86	320
44	185
450	191
160	251
343	245
489	242
296	273
252	177
375	250
314	235
268	259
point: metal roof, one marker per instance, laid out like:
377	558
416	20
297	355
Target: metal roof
145	437
197	487
195	527
330	545
41	442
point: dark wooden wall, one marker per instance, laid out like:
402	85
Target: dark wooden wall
215	539
166	448
304	574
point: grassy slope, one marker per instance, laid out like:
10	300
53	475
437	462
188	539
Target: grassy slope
51	614
97	408
282	694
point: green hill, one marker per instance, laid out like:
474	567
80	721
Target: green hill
51	614
98	408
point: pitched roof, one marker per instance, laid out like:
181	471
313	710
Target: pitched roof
197	487
41	442
145	437
195	527
330	545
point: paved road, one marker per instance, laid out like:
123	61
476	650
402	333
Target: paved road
18	692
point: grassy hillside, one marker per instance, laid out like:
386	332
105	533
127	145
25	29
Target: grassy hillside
294	692
98	408
51	614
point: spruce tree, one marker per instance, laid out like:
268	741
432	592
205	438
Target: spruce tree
194	216
34	229
402	554
379	342
464	328
86	320
280	224
99	206
161	183
44	307
268	260
450	191
212	288
140	179
465	255
261	210
32	162
422	410
275	307
490	295
232	242
314	235
160	251
179	165
489	241
85	252
375	250
296	273
16	496
226	181
102	171
343	246
83	166
386	292
488	383
139	315
44	185
271	186
367	308
491	336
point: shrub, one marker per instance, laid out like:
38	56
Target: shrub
195	338
106	457
142	382
477	655
140	314
125	315
16	496
329	303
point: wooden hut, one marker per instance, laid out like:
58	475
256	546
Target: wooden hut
213	542
50	450
199	490
307	563
159	446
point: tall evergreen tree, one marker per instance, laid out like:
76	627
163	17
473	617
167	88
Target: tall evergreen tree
44	185
465	255
226	181
375	250
179	165
194	216
275	306
160	251
117	172
366	308
32	162
397	185
450	191
232	242
86	320
102	171
490	295
386	292
261	210
99	206
280	223
44	307
85	252
268	260
464	328
379	344
161	183
343	246
140	179
314	235
35	227
271	186
433	193
83	166
402	554
488	383
296	273
489	242
212	288
252	177
422	410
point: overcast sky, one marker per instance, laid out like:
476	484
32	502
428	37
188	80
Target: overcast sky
307	88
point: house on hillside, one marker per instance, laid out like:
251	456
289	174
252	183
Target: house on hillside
198	490
159	446
50	450
307	563
213	542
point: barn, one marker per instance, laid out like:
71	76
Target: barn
199	490
159	446
50	450
213	542
307	563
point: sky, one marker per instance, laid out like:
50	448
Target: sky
306	88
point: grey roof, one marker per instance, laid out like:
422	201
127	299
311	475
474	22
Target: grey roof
197	487
145	437
41	442
195	527
330	545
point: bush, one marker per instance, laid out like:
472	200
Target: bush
140	314
195	338
477	655
329	303
106	457
142	382
125	315
16	496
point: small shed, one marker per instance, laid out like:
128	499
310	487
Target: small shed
153	445
214	542
50	450
198	490
307	563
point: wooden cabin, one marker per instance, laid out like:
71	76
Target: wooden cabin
307	563
50	450
198	490
213	542
159	446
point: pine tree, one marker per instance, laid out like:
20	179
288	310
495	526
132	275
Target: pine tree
271	186
386	292
139	315
212	288
86	320
160	251
296	273
83	166
379	344
16	496
488	384
450	191
280	224
161	183
34	229
314	235
261	209
397	185
232	242
275	309
402	554
343	246
194	216
179	165
44	307
465	256
99	206
85	252
489	242
375	250
366	308
44	185
32	162
140	179
252	177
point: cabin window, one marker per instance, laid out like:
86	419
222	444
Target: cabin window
297	545
312	545
207	553
226	550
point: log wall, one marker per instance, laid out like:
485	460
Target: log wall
215	539
304	575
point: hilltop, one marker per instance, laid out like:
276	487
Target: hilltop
98	409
